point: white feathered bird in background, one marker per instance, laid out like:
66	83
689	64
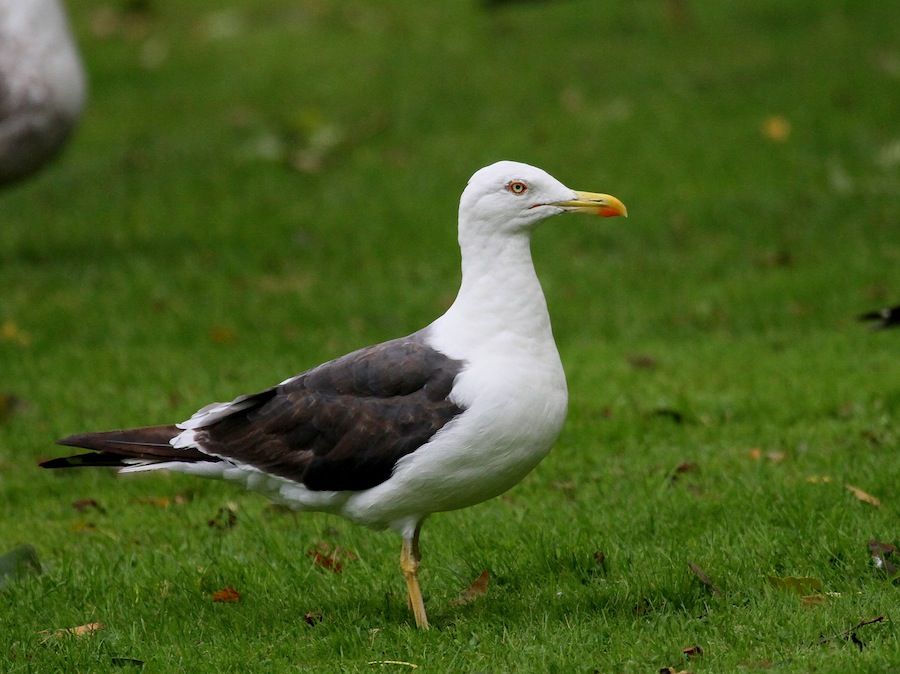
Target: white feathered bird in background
42	85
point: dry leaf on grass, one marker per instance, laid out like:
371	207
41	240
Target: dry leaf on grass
802	585
9	405
641	361
13	334
813	599
773	455
326	556
226	517
220	334
672	670
80	631
478	588
87	503
692	651
600	561
703	578
776	128
865	497
226	595
313	618
683	468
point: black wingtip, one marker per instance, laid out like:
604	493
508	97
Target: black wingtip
88	460
62	462
889	317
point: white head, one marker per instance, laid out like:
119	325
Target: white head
510	197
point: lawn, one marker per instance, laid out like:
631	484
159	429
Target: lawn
259	186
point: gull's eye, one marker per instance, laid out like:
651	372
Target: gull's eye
517	187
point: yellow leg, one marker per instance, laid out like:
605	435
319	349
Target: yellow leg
409	565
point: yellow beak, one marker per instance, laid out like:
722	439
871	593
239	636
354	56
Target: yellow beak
596	204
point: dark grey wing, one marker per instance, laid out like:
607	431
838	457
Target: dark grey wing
345	424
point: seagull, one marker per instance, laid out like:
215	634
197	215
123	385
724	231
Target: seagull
449	416
889	317
42	85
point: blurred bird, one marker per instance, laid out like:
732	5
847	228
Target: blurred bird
889	317
444	418
42	85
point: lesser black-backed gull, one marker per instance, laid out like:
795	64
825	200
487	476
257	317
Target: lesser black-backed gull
447	417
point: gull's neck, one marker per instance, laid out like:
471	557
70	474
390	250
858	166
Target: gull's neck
500	305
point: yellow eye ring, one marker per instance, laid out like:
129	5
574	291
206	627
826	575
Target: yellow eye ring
517	187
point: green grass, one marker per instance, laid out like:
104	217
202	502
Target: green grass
172	256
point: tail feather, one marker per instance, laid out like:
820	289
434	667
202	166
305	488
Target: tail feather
125	447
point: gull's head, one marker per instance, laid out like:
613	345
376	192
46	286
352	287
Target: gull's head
509	196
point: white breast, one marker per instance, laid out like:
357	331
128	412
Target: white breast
515	402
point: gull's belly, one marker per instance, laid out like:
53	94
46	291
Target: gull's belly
510	422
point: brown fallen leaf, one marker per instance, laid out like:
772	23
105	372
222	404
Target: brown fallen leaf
692	651
776	128
86	503
225	518
331	558
226	595
681	469
80	631
865	497
11	333
701	575
9	405
642	361
679	14
775	258
327	562
774	456
813	599
801	585
313	618
220	334
672	670
477	589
